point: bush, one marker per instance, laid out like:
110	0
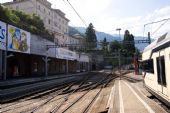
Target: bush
30	23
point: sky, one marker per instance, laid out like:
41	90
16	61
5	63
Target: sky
107	15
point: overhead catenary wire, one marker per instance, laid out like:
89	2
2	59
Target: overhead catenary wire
156	21
84	22
166	19
159	27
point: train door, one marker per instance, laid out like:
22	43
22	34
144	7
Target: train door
161	73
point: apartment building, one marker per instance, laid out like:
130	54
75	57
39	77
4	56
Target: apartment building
54	19
76	42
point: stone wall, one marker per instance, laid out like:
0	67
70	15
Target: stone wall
38	46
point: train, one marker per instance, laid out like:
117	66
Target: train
156	68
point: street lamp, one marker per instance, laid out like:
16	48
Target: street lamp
119	59
119	29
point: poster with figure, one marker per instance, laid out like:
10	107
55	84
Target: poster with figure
2	35
18	40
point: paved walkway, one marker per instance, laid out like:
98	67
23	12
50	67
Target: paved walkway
130	97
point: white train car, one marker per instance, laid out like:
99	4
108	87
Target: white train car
156	68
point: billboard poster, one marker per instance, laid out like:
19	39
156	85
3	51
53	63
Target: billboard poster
18	40
2	35
65	54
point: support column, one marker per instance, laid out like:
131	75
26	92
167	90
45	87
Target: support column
46	66
5	65
46	63
66	66
88	66
1	64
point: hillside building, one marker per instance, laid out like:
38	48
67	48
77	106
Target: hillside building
54	19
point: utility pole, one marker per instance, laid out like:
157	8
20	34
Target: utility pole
119	55
149	37
119	59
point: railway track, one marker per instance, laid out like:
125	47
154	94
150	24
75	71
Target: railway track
100	85
29	100
46	102
54	99
42	96
64	98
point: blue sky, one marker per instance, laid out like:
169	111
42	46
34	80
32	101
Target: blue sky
107	15
137	7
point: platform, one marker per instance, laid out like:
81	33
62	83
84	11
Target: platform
24	81
132	97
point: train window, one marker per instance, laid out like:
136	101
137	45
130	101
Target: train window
147	66
161	76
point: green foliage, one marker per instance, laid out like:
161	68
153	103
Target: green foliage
128	44
138	53
73	31
115	46
31	23
105	45
91	39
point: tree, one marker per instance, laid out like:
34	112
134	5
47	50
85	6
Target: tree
115	46
128	44
105	45
91	39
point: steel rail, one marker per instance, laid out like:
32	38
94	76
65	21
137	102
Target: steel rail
37	108
52	91
79	98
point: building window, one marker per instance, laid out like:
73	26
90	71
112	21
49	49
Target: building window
147	66
161	75
49	13
44	10
55	24
17	7
49	21
39	7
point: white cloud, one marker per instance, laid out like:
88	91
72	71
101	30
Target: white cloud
89	10
99	12
136	24
161	27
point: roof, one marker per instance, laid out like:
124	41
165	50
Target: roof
62	14
44	2
158	42
14	2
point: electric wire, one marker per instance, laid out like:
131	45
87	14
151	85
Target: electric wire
166	20
159	27
84	22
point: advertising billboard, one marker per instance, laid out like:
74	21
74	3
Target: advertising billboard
18	40
65	54
2	35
